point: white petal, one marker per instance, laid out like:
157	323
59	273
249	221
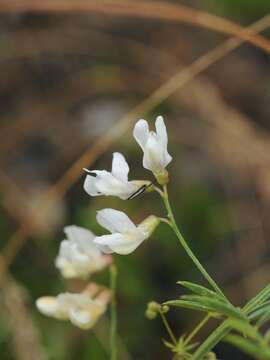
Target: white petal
115	221
141	132
166	158
90	186
76	233
47	305
81	318
161	132
153	155
111	239
65	250
104	248
109	185
80	236
119	243
67	269
120	168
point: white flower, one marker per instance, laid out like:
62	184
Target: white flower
125	235
114	183
83	309
78	255
154	146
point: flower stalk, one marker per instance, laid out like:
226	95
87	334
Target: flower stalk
113	323
167	327
186	247
197	329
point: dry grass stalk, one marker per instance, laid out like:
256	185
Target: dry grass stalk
156	10
25	337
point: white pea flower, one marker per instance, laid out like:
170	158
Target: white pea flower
78	255
83	309
114	183
125	236
154	146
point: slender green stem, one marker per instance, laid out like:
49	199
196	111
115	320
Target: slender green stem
168	328
222	330
113	329
197	329
185	245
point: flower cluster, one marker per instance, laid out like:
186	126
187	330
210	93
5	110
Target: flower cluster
83	309
83	253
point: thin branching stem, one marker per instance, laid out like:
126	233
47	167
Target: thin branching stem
197	329
168	328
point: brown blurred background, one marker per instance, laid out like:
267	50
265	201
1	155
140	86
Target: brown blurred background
75	76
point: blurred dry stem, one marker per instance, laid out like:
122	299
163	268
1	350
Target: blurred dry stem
16	312
156	10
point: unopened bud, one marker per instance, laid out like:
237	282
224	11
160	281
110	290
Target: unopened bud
210	356
150	314
153	308
165	308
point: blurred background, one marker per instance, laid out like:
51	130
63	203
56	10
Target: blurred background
72	85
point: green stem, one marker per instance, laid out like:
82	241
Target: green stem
211	341
186	246
168	328
197	329
113	329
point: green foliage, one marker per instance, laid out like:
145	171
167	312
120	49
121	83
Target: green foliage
250	347
181	349
241	9
200	290
245	335
261	297
206	301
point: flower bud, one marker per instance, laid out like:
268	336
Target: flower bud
210	356
150	315
153	308
165	309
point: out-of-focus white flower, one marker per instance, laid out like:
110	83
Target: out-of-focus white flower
154	146
83	309
125	236
79	256
114	183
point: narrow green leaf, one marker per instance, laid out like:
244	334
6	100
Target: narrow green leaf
189	305
261	297
249	347
259	306
264	318
215	305
259	311
200	290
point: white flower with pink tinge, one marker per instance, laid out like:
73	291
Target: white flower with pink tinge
79	256
83	309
